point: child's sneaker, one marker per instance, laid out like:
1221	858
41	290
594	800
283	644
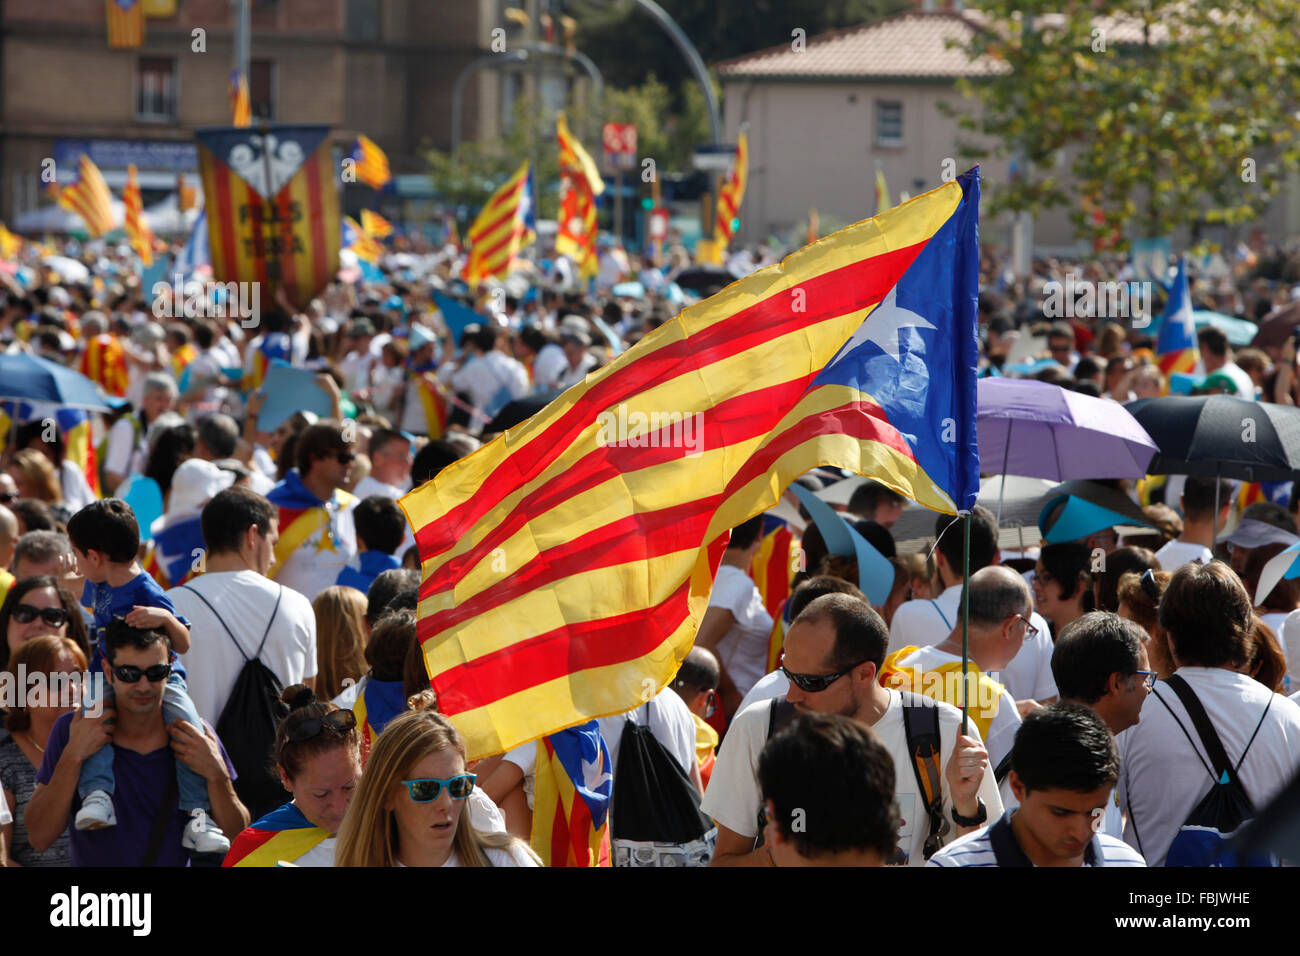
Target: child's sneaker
204	836
96	812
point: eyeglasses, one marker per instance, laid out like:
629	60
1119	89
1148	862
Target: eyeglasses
1148	678
346	457
308	727
1150	587
426	789
53	616
816	683
1031	632
130	674
8	496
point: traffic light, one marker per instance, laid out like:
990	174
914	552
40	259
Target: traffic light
647	203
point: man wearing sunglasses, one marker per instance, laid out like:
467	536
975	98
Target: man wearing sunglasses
317	535
145	751
833	653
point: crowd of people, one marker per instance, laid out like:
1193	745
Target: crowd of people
815	730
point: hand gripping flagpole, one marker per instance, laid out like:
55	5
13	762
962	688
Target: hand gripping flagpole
965	614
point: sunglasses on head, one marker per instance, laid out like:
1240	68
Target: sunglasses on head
130	674
816	683
53	616
426	789
308	727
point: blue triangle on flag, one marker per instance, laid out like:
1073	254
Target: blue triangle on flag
1224	778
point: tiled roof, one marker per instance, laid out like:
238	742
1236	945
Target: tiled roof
908	45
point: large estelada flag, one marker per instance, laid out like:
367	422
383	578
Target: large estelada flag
732	194
580	184
137	226
572	789
1176	347
273	208
566	565
125	23
506	224
282	835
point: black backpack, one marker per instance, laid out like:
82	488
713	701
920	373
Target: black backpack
921	725
248	723
1202	840
656	816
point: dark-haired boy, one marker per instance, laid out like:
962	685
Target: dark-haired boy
381	526
1064	765
106	542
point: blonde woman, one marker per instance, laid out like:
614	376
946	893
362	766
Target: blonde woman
340	639
35	477
410	807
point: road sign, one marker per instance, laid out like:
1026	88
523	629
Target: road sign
619	142
714	158
658	224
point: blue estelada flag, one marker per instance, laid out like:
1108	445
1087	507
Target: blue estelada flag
1176	348
455	316
195	252
571	798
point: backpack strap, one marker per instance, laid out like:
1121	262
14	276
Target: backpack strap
1204	728
271	620
921	725
938	610
1003	768
223	623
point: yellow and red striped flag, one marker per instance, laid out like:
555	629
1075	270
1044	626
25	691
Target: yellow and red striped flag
580	184
375	225
125	23
137	227
279	226
732	194
104	362
371	163
241	104
356	239
566	564
10	244
186	199
88	197
503	228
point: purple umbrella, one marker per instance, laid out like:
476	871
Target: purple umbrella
1040	430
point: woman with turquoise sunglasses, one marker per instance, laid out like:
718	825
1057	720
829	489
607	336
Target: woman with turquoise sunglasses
410	807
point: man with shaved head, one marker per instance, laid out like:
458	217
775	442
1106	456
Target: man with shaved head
1000	606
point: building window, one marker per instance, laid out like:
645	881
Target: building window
363	19
156	88
889	123
261	88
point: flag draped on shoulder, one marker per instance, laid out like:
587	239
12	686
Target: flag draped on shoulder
732	194
283	834
272	208
371	163
302	514
88	197
504	227
1176	348
573	785
567	564
580	184
137	226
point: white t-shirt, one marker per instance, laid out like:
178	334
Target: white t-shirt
670	722
743	649
1289	637
76	490
5	816
1006	718
244	600
549	366
370	485
921	623
772	686
1162	778
732	798
491	380
513	855
1177	553
126	455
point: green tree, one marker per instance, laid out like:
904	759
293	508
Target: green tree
1165	113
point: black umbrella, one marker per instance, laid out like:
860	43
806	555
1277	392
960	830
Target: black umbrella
705	280
1219	436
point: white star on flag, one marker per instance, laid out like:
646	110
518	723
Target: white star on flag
882	327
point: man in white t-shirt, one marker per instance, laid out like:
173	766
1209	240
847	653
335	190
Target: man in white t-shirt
1197	539
234	602
736	626
1207	615
390	466
1028	677
128	445
999	625
834	649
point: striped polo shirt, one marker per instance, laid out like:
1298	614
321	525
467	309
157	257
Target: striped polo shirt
995	845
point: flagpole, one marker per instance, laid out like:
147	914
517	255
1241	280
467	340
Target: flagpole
965	615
